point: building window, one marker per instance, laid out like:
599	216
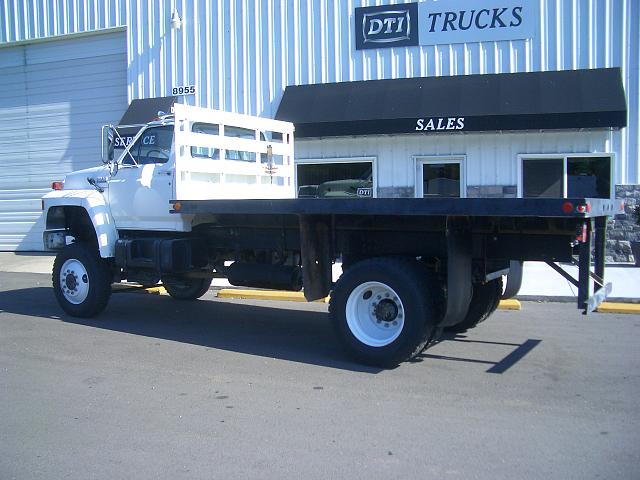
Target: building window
566	176
439	177
331	178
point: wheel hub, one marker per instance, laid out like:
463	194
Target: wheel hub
375	314
74	281
386	310
71	281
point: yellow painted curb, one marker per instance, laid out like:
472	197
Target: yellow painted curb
611	307
510	304
264	295
124	288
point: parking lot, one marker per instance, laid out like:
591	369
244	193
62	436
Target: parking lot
155	388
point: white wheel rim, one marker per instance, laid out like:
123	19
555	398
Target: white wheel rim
74	281
375	314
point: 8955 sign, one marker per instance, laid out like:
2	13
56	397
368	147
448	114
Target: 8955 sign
188	90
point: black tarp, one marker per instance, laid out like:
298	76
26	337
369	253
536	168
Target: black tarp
572	99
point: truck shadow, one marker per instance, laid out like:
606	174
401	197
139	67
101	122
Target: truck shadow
288	334
500	366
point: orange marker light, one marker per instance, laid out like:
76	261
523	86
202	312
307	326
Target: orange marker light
177	206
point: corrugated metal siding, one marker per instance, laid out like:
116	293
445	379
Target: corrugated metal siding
241	54
55	96
23	20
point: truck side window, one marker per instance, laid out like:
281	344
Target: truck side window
153	146
205	152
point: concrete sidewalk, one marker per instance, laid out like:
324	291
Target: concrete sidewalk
540	282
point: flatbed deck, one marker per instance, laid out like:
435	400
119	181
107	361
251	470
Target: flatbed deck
484	207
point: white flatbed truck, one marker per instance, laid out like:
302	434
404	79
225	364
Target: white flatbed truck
202	194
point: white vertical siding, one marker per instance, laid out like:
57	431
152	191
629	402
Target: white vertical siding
22	20
241	54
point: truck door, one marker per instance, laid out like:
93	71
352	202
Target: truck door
140	191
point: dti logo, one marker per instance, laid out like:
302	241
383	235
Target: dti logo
387	26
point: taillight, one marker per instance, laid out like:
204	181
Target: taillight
567	207
586	208
57	185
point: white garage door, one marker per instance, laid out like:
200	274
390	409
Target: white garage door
54	96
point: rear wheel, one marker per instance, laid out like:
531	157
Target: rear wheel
81	280
383	311
187	288
484	301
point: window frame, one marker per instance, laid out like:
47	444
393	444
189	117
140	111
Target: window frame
325	161
564	157
420	160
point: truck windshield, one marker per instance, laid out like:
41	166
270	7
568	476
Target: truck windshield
153	146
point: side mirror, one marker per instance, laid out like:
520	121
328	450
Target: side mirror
108	143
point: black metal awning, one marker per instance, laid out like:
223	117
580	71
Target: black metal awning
139	113
570	99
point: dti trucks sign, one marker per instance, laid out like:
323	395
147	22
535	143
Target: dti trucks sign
386	26
468	21
443	22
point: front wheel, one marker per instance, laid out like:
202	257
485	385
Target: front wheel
187	288
81	280
383	311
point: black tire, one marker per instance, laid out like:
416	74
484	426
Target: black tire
358	322
484	301
186	288
81	280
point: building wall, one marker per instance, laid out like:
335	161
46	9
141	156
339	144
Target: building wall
249	51
489	159
22	20
241	54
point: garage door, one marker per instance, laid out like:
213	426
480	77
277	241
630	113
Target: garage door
54	96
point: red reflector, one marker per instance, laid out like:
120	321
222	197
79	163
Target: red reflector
581	209
622	206
57	185
588	208
567	207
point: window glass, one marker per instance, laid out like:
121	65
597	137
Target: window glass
335	180
543	178
205	152
441	179
153	146
589	177
237	132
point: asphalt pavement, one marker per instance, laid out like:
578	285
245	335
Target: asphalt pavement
155	388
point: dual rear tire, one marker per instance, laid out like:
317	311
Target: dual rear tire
186	288
385	310
484	301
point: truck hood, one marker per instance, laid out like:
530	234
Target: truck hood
78	180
